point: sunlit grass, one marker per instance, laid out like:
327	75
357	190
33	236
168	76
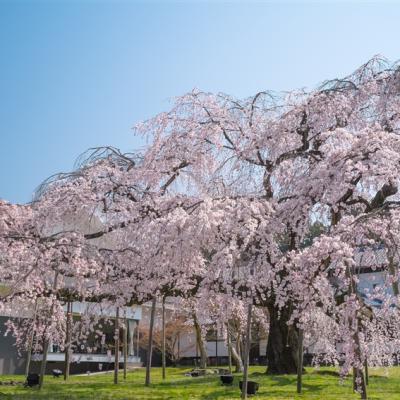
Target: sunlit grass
318	384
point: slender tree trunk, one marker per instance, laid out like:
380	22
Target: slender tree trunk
216	346
247	352
300	362
282	345
46	341
68	341
237	354
116	356
358	372
30	342
125	344
237	359
366	372
358	375
200	343
179	349
137	339
150	344
43	363
393	270
228	337
29	354
163	340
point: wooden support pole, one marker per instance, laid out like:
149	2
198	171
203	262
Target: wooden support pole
68	341
179	347
137	339
247	352
125	347
163	340
116	356
216	345
228	336
150	344
300	361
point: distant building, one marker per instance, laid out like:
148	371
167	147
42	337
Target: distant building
92	356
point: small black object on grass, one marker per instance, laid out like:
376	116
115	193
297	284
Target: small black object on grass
32	380
226	379
56	373
252	387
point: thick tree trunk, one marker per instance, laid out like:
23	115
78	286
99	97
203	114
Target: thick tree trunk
200	343
282	346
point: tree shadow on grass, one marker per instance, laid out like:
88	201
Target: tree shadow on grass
283	379
189	382
383	377
327	372
314	387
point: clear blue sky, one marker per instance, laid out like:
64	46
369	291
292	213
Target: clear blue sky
79	74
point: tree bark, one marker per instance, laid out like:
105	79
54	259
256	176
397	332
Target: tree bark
30	342
360	386
236	354
44	362
228	337
238	360
282	346
163	340
46	341
68	341
200	343
150	344
358	373
247	352
393	270
116	355
125	347
300	363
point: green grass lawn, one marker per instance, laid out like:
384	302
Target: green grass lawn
318	384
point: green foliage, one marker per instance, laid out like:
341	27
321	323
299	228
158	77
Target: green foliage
318	384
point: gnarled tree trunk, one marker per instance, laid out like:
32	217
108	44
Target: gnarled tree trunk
282	346
237	359
200	343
